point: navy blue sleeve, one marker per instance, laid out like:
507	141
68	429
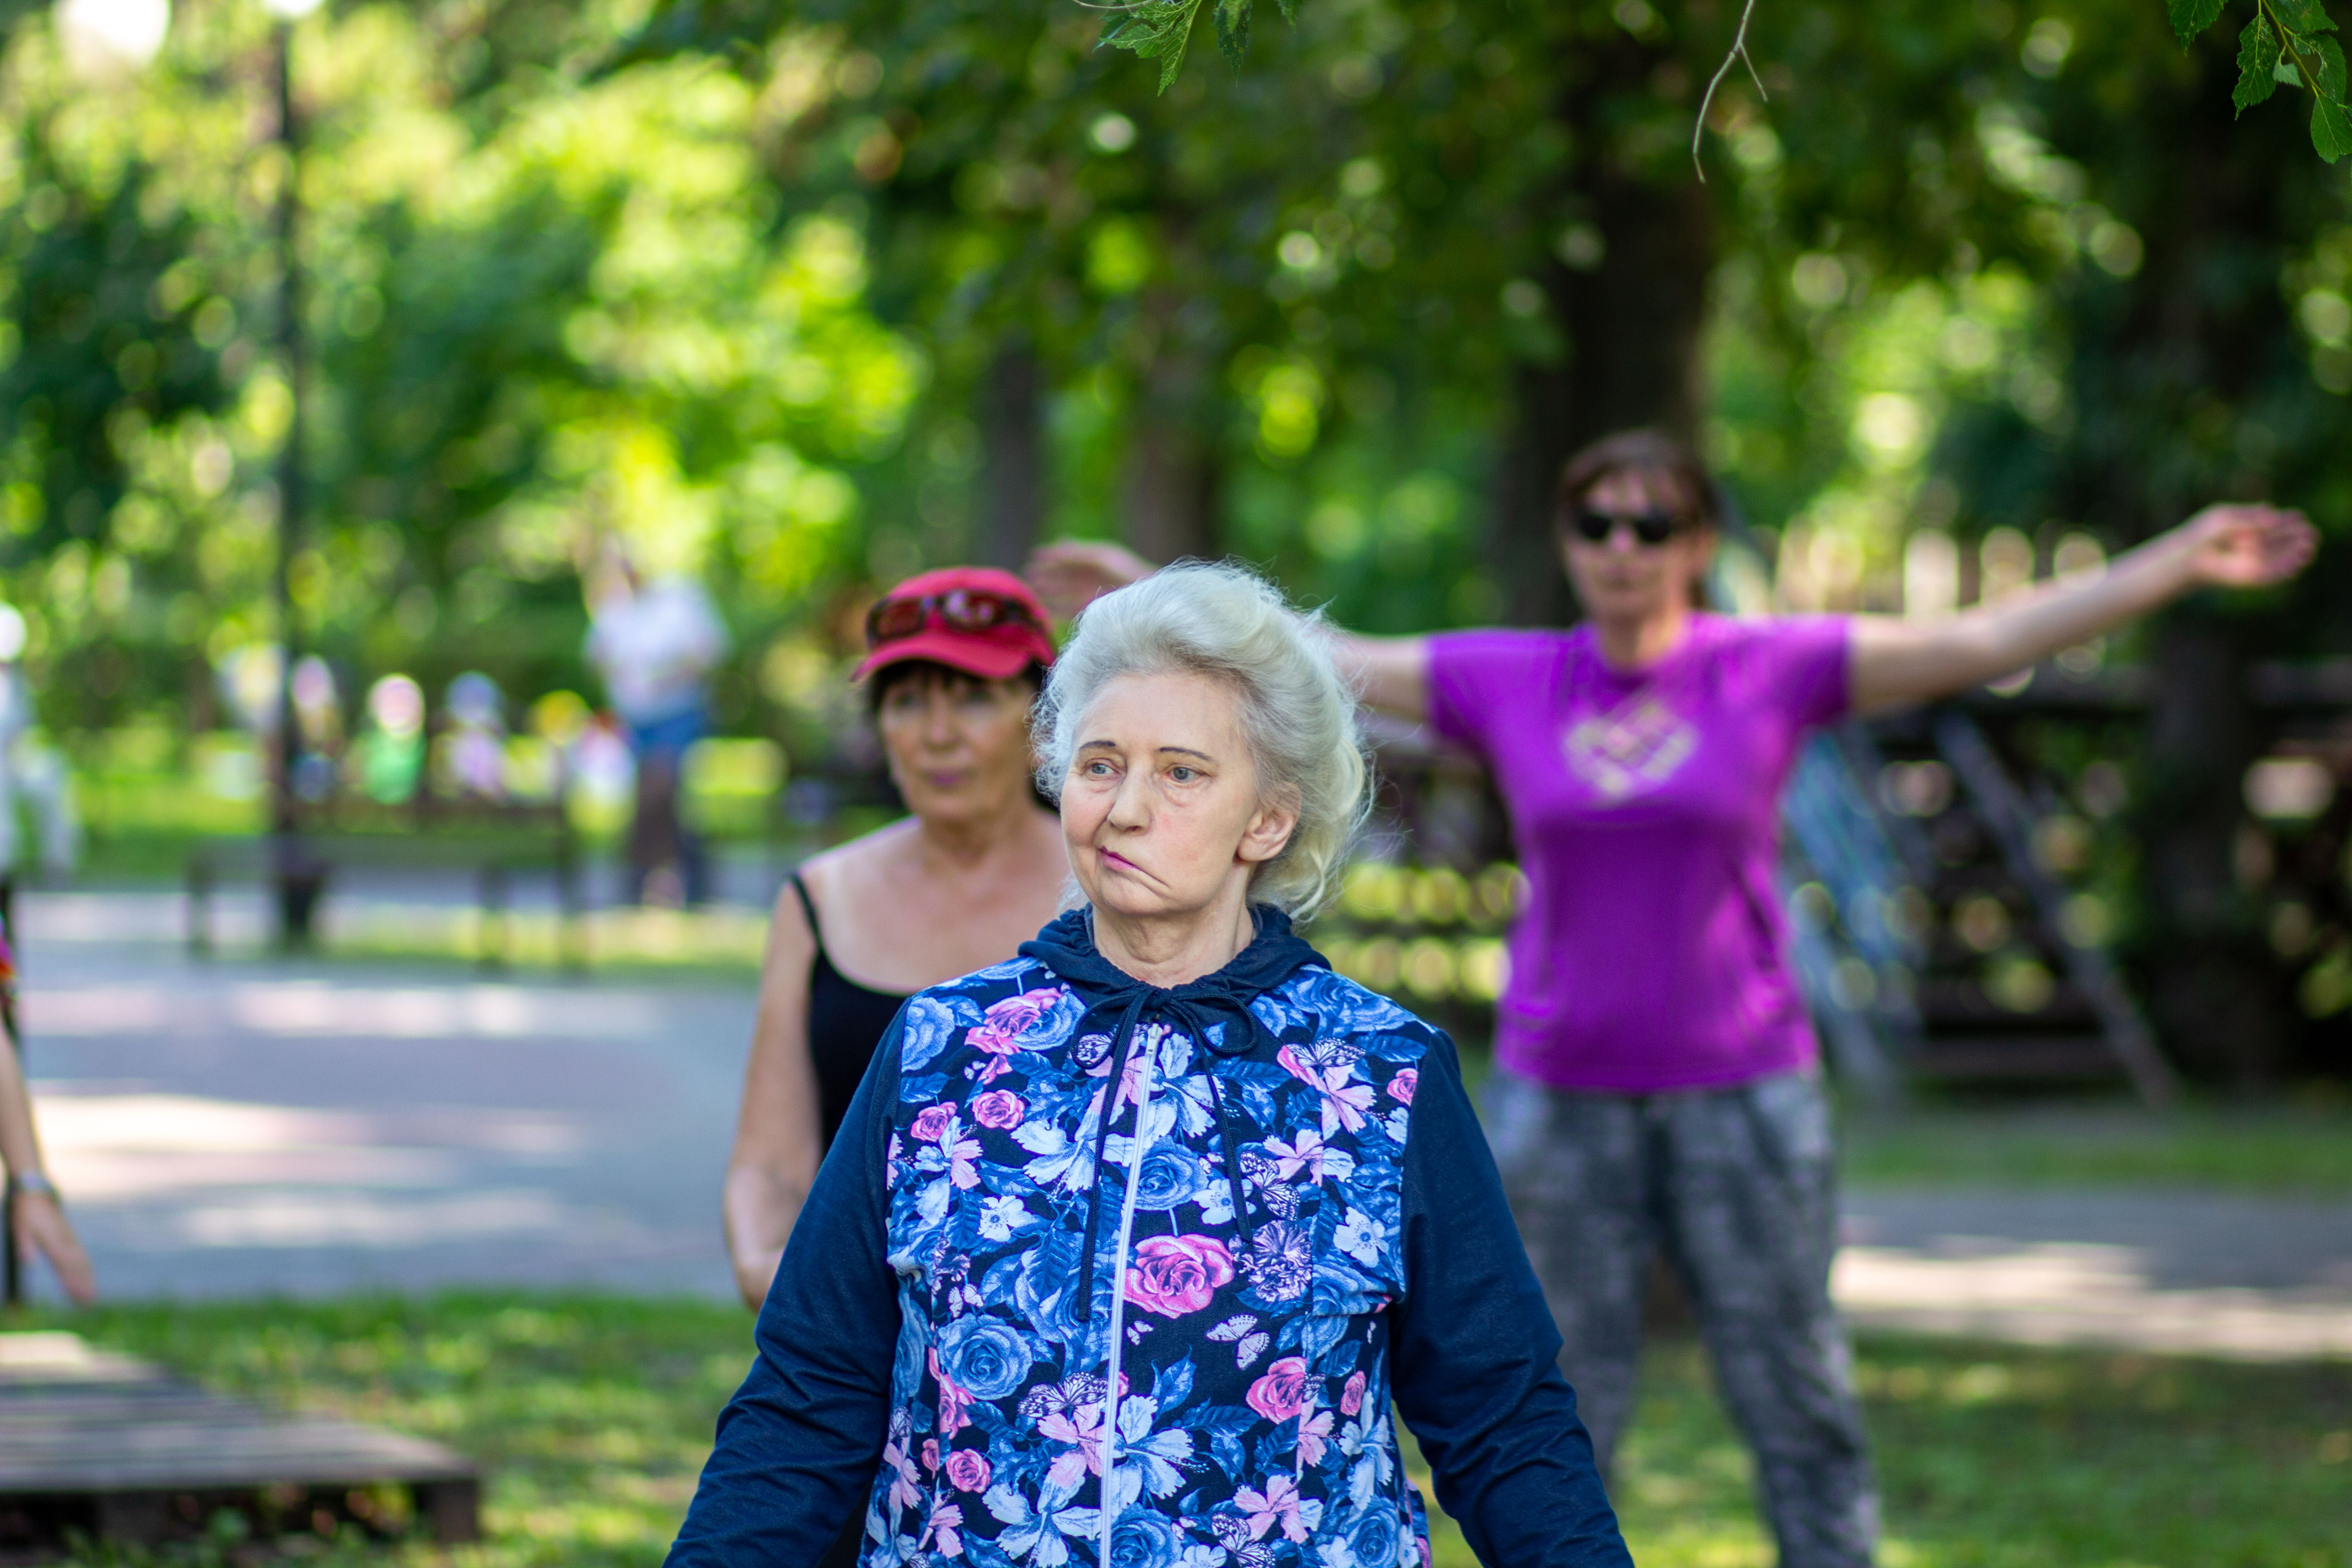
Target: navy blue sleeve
800	1442
1474	1354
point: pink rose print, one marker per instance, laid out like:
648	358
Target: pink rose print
1281	1394
1351	1397
999	1108
1401	1085
1173	1274
933	1123
968	1470
999	1030
930	1453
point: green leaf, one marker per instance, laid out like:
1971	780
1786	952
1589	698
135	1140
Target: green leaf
2326	56
2331	130
2190	17
2257	62
1232	18
2303	16
1156	29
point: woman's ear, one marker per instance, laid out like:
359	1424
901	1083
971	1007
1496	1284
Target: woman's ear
1268	832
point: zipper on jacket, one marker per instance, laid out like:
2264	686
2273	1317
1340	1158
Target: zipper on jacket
1136	1150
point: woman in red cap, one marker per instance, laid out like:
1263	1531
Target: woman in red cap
954	659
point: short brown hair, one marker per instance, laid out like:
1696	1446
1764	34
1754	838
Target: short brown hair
1655	455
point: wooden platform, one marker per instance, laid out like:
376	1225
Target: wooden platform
122	1450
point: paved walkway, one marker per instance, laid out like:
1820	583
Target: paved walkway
241	1128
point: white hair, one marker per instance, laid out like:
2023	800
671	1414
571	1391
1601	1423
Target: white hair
1298	715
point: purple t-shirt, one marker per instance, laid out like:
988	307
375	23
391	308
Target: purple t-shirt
1652	953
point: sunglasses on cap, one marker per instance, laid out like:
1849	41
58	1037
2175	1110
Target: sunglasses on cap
958	609
1651	527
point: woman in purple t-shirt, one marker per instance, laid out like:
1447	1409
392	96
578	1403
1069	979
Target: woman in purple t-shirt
1656	1084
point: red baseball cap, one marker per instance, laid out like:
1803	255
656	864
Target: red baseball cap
977	619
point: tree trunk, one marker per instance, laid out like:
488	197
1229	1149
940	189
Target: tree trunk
1173	472
1632	316
1012	445
2210	982
2175	397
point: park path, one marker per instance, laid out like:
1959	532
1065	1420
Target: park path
255	1127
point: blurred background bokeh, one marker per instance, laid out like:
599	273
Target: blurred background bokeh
344	344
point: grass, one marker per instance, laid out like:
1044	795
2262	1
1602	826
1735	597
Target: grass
593	1415
2285	1148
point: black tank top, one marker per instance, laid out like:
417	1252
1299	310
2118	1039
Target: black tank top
845	1022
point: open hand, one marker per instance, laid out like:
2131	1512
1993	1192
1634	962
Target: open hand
43	1223
1073	573
2248	546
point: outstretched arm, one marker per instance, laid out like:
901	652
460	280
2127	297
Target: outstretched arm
36	1216
1895	662
1390	674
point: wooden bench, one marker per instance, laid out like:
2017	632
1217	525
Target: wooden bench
496	842
123	1451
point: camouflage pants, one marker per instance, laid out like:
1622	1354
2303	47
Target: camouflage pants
1737	1185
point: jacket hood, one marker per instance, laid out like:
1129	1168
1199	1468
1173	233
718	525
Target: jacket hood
1066	946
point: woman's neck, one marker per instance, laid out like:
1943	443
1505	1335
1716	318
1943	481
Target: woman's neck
1175	949
1637	643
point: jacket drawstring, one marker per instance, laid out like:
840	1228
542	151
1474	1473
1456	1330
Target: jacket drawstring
1125	1033
1223	1042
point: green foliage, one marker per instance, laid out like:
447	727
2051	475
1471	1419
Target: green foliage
535	314
2286	40
2258	61
1160	30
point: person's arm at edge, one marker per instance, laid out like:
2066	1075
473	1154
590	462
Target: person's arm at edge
799	1443
778	1129
1390	674
1474	1353
1893	662
36	1218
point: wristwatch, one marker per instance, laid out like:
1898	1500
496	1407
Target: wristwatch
37	1183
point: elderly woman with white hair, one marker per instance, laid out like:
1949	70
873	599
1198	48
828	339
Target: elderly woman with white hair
1127	1246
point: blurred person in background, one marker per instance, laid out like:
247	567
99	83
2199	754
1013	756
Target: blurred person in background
955	660
1656	1086
655	644
29	772
36	1216
474	746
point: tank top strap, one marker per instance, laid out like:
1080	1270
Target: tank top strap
808	910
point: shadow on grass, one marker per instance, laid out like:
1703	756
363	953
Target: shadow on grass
593	1413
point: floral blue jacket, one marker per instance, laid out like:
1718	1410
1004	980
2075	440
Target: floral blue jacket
1105	1274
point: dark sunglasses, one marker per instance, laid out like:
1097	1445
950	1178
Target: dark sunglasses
1594	526
958	610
